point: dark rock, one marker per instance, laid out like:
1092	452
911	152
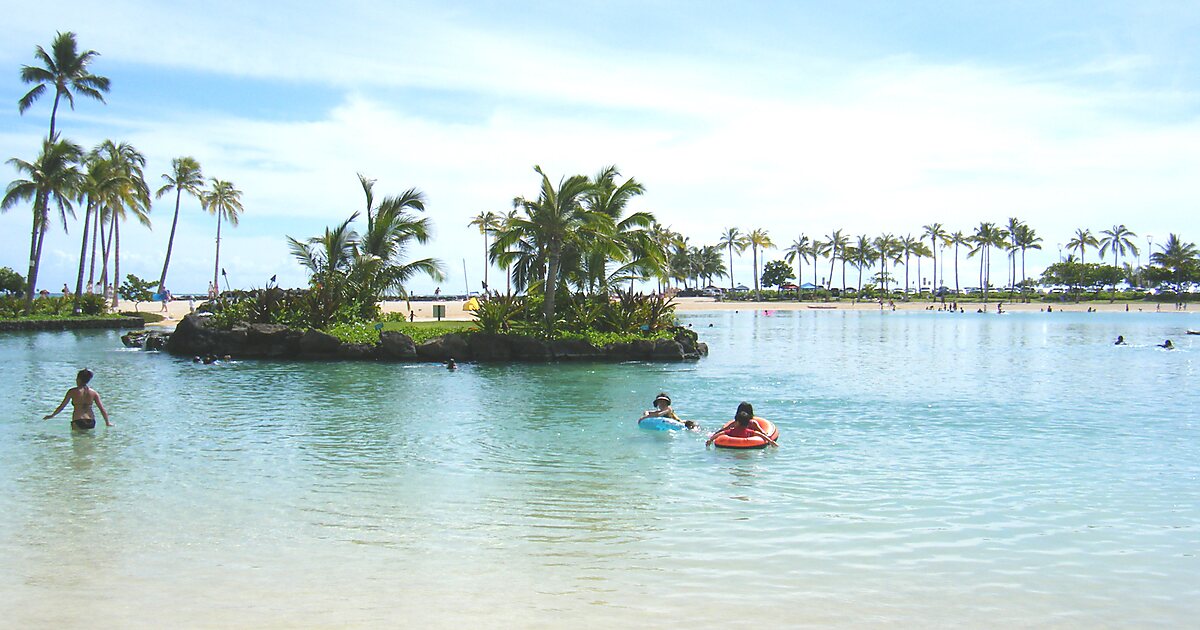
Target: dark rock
445	347
702	349
530	349
356	351
667	350
394	344
134	338
271	340
315	343
156	341
574	350
489	347
630	350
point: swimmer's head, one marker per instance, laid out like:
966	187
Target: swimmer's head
83	377
745	412
662	401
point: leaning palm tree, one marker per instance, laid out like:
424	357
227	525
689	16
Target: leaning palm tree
554	220
936	234
627	243
225	201
759	239
1120	240
66	70
380	264
487	222
131	197
798	252
53	176
1082	240
733	239
185	177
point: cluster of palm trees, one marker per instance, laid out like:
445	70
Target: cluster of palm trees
353	270
108	182
881	255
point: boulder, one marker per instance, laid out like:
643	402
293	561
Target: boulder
134	338
489	347
193	336
630	350
271	340
667	350
574	350
155	341
530	349
315	343
394	344
357	351
445	347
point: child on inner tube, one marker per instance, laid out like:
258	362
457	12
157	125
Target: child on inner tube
662	409
744	425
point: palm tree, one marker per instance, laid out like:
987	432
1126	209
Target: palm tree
486	222
1120	240
987	236
1026	239
628	240
1082	240
798	252
1012	229
555	219
379	264
907	245
733	239
53	176
862	258
133	195
185	177
99	182
225	201
835	245
1178	257
921	250
936	233
885	247
956	239
759	239
66	69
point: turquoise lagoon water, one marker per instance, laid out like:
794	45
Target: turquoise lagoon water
935	469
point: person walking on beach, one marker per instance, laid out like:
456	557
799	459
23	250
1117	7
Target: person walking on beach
82	398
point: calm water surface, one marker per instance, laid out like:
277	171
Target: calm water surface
936	469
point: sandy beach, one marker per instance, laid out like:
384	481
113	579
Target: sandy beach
423	310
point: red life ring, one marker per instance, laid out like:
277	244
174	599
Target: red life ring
766	426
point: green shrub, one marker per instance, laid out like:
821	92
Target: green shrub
93	304
356	332
10	281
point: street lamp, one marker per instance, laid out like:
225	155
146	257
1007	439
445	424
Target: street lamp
1060	258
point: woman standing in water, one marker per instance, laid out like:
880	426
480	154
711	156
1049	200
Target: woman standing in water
82	398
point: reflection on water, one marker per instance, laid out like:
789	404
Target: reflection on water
934	467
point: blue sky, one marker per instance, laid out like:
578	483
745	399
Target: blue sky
794	117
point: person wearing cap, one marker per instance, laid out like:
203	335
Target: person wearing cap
662	409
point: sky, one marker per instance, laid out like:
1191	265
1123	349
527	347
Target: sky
794	117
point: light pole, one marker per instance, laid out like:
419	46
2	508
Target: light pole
1060	258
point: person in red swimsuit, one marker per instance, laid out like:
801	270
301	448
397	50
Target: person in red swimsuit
744	425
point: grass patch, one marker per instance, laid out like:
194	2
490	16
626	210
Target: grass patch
59	318
150	318
424	331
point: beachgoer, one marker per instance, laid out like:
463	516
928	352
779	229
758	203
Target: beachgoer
44	293
165	296
437	291
82	398
663	409
451	365
411	316
1120	340
89	289
65	291
1167	345
744	424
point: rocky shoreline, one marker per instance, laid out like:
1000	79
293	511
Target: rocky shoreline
76	323
194	336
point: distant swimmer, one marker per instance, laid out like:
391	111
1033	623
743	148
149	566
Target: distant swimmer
82	398
451	364
1167	345
663	409
1120	341
744	424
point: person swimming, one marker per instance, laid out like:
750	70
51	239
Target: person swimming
451	364
1120	340
82	398
1167	345
743	425
663	409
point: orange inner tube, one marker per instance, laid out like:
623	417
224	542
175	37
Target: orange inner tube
766	426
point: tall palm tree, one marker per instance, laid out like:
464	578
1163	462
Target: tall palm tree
885	247
132	196
986	236
862	258
66	70
185	177
936	234
628	243
486	222
380	265
555	219
798	252
53	176
921	250
759	239
1119	239
1082	240
908	246
1026	239
733	239
1012	229
225	201
835	245
956	239
1178	257
100	181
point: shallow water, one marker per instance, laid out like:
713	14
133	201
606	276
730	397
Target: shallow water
935	469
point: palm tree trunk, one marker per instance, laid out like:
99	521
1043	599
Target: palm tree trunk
832	260
162	279
731	266
217	258
956	289
31	273
105	248
54	112
843	287
92	263
757	296
551	284
116	230
87	223
485	261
